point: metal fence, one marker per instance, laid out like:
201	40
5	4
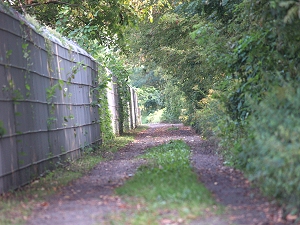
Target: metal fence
45	101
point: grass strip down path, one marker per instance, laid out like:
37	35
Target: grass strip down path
166	183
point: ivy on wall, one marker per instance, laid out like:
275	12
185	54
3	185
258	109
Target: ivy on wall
102	104
2	129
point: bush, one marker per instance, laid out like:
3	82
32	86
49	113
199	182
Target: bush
154	117
205	120
271	153
175	104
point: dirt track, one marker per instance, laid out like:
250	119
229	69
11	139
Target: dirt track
91	200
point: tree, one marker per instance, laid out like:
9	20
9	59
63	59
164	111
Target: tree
101	20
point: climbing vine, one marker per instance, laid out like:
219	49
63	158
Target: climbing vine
2	129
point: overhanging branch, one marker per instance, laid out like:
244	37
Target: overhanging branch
45	3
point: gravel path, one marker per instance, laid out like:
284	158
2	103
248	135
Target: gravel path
91	200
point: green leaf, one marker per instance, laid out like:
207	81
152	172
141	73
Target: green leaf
27	86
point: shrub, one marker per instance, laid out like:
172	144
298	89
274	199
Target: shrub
271	154
206	119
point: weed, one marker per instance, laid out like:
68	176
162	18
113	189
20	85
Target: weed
113	145
173	128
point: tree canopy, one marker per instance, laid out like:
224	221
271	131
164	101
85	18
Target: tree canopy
101	20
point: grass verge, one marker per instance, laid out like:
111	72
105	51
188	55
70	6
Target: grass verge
166	190
16	206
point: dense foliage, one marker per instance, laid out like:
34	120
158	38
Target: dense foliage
101	20
237	65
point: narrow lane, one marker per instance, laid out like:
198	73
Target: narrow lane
91	200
